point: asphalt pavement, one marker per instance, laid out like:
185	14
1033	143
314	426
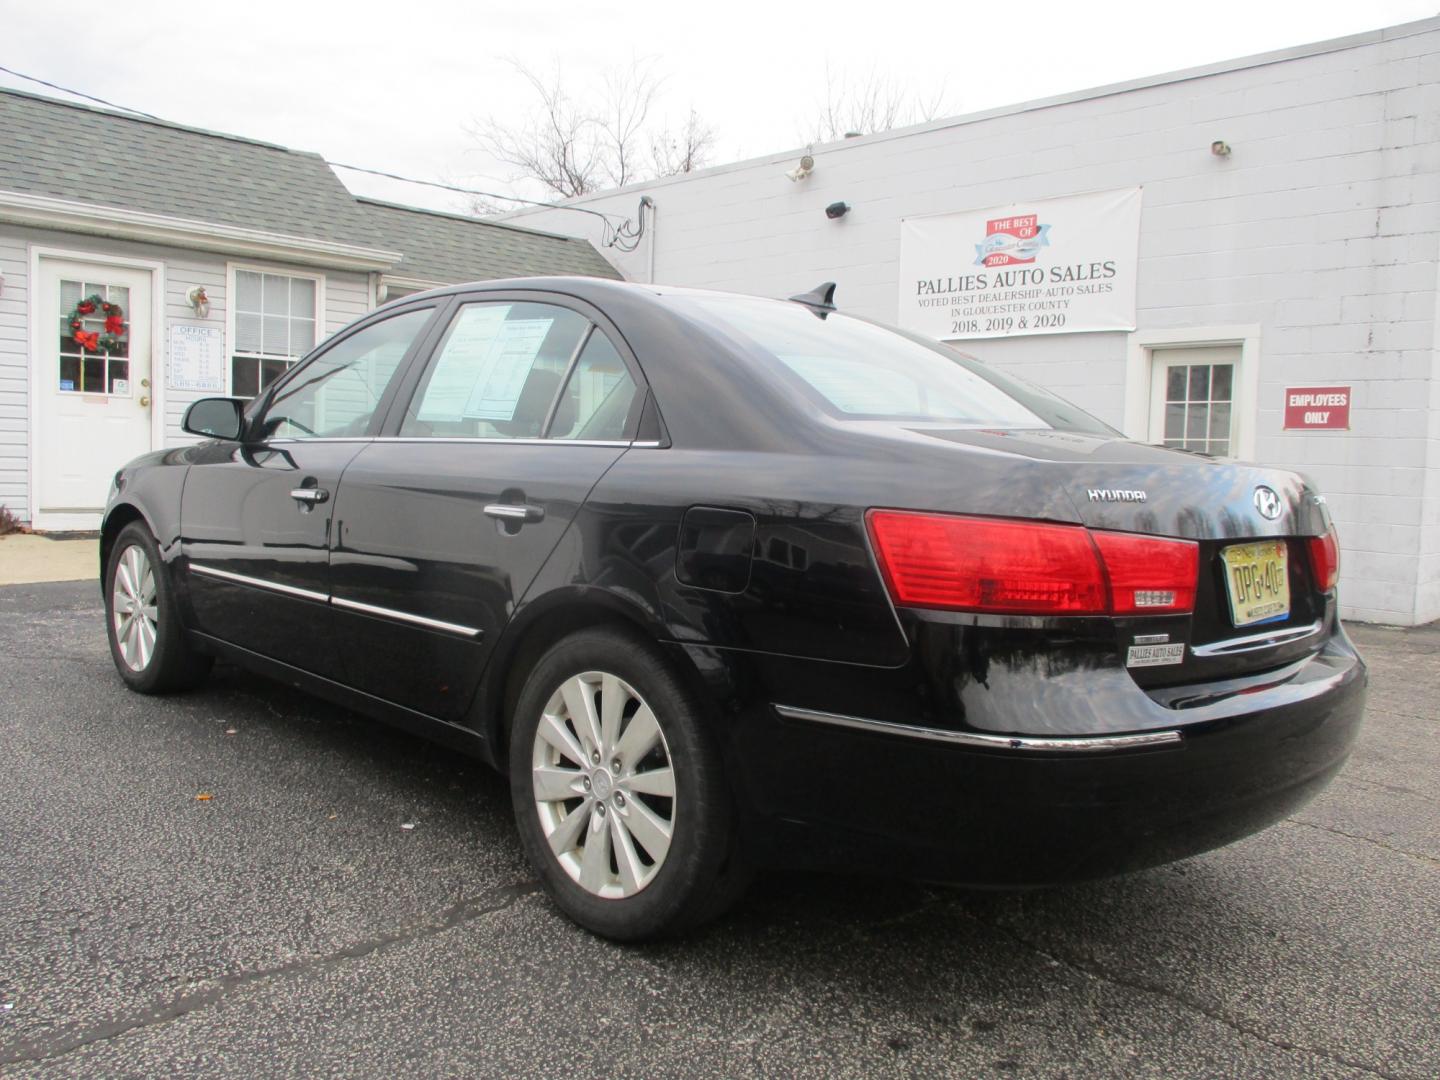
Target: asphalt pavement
346	900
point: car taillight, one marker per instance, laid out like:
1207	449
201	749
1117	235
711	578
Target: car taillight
1029	568
1149	575
1325	560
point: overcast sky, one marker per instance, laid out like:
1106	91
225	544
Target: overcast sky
393	86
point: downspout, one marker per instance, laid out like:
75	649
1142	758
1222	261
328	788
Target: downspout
647	203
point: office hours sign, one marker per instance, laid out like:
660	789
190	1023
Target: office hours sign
1051	266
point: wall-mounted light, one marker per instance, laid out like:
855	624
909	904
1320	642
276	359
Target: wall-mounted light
198	301
804	169
837	210
1220	148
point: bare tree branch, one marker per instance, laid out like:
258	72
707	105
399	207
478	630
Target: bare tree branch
683	150
575	149
869	102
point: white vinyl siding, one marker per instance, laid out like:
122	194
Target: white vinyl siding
345	298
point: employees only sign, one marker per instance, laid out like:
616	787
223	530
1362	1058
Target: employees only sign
1052	266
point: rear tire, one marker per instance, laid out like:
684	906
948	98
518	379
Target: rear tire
618	791
142	618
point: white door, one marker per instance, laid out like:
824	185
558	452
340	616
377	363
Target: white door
1193	398
91	378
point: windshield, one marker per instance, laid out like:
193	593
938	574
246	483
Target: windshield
854	369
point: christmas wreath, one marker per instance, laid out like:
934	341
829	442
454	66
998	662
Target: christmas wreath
108	339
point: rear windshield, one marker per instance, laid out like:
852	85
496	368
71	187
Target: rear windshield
859	370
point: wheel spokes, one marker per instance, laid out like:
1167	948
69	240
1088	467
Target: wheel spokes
567	834
553	784
595	862
579	698
632	870
648	828
653	782
641	736
553	731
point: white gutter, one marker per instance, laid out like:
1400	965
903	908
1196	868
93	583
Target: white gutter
46	212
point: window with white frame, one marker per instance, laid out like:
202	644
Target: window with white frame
1193	398
276	318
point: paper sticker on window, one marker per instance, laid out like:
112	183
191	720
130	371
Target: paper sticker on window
67	384
461	361
502	376
120	387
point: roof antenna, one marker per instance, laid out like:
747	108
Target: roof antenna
820	300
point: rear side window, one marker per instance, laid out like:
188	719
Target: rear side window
598	396
496	373
858	370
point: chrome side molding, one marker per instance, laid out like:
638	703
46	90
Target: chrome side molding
1252	642
1081	744
336	601
258	583
405	616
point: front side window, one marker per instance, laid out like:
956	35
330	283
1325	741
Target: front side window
335	394
275	324
497	372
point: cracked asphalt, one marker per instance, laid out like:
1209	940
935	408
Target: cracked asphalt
289	925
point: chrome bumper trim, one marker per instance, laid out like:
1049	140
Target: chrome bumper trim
257	583
1084	744
1252	642
405	616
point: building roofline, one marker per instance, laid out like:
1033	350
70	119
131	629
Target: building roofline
453	216
1145	82
121	114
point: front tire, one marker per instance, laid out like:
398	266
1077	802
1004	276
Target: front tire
618	792
142	618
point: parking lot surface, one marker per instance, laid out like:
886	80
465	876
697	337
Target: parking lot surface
292	924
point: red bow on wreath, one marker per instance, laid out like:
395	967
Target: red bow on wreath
114	324
88	339
85	307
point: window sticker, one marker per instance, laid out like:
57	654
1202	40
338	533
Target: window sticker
120	387
463	355
67	384
512	354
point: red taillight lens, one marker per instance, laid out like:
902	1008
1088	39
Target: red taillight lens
1030	568
1149	575
1325	560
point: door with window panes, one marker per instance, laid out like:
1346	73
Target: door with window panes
1192	401
92	386
520	409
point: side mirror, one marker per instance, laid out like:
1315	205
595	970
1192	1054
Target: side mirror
215	418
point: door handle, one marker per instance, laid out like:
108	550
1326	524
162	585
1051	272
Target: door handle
517	514
310	495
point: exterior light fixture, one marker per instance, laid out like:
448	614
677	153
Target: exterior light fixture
837	210
804	169
198	301
1220	148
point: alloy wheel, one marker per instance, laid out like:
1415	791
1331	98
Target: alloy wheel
604	785
134	612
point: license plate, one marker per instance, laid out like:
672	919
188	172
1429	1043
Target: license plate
1257	577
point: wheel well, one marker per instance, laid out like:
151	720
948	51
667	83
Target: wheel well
121	516
514	667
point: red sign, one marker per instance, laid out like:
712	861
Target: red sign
1010	240
1317	408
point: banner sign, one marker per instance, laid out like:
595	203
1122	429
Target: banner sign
1052	266
1317	408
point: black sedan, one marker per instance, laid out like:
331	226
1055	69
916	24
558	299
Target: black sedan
726	583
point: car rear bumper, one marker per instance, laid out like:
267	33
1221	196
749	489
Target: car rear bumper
822	792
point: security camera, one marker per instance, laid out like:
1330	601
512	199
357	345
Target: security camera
837	210
801	171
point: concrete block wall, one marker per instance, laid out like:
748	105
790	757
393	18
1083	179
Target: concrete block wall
1322	228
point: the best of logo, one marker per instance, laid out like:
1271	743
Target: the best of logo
1012	240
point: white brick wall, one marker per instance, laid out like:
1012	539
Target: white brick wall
1322	228
346	298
